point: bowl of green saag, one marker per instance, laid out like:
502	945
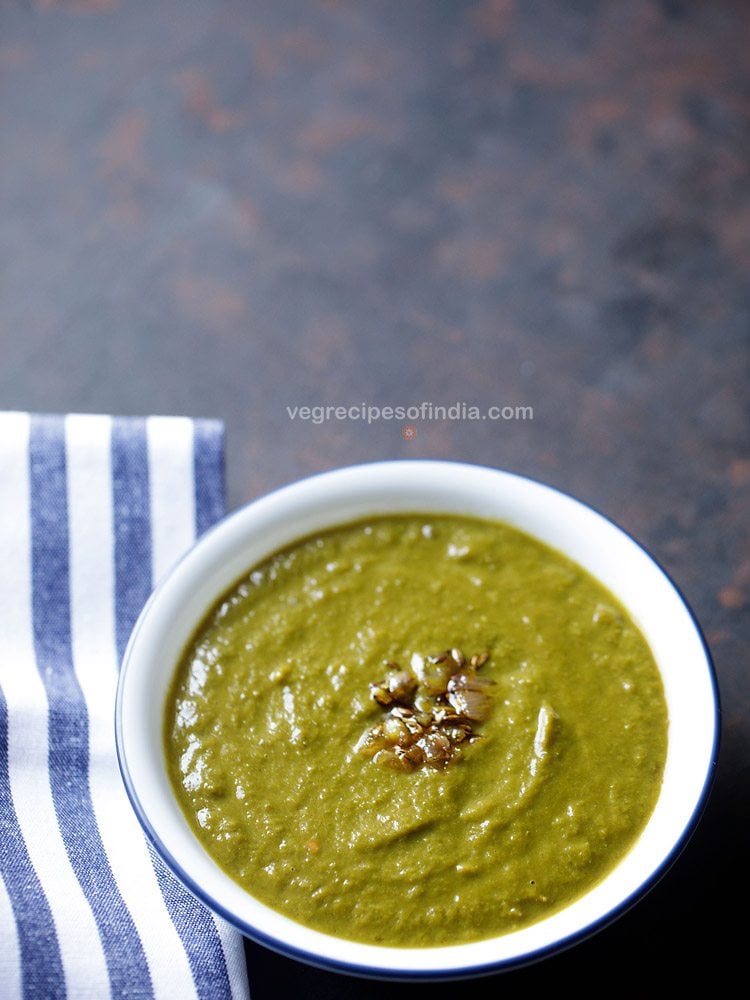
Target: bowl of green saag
417	720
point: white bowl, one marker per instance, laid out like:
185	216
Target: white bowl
244	538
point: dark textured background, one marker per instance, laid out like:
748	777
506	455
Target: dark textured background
226	208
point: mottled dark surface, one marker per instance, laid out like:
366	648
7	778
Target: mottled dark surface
229	208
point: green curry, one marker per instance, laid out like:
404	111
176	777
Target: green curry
417	730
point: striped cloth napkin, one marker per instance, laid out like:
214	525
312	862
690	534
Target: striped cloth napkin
93	510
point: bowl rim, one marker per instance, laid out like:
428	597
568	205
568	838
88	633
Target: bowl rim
396	972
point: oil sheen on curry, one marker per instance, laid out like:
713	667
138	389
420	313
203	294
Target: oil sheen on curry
417	730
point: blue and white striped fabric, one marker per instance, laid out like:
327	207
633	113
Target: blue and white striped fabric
93	510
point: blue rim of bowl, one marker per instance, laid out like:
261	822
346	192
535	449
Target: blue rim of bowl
429	975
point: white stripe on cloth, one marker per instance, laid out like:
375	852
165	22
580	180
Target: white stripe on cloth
234	953
170	469
171	475
81	952
88	453
10	959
